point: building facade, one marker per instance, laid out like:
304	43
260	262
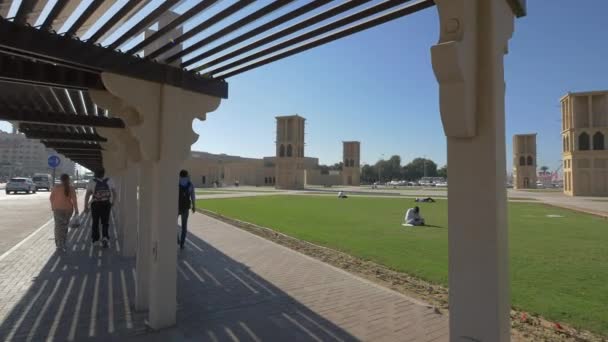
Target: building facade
288	169
20	156
351	157
524	161
584	131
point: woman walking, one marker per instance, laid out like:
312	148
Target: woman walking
63	203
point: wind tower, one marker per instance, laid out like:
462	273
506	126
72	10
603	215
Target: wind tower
290	152
524	161
351	156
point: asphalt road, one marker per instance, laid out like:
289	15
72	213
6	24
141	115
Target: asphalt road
20	215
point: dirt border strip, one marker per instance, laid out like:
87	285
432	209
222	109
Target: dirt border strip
525	326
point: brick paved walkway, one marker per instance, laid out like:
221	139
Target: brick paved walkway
232	286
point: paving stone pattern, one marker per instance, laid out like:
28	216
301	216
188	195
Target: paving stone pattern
232	286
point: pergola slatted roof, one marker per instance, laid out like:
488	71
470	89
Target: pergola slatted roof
47	71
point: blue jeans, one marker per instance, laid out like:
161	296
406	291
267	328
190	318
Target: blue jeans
184	214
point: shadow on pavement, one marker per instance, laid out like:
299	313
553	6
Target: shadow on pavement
87	294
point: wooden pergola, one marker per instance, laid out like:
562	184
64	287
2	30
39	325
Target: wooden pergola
115	84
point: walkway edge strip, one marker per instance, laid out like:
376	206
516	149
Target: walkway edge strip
7	253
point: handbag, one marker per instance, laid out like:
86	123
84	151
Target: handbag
75	221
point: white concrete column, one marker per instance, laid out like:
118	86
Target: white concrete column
468	64
131	210
142	267
118	205
122	204
160	118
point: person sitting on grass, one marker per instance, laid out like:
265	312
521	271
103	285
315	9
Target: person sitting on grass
341	194
425	200
413	218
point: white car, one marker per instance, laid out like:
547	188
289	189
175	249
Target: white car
81	184
43	182
20	184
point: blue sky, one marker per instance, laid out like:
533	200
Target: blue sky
378	87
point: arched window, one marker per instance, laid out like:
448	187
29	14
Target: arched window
522	161
352	163
282	151
530	160
289	150
346	162
583	142
598	141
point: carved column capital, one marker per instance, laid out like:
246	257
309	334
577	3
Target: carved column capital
158	116
462	44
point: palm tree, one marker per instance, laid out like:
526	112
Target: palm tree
544	169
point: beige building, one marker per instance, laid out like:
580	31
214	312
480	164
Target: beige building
584	130
20	156
289	169
351	156
524	161
289	161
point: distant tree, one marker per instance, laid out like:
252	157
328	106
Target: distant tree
337	166
389	169
369	174
443	172
544	169
418	168
324	169
393	166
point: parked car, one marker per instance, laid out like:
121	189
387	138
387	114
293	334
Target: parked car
43	181
81	184
20	184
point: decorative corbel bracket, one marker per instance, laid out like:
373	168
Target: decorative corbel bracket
454	61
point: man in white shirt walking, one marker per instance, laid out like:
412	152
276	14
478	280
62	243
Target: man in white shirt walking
101	192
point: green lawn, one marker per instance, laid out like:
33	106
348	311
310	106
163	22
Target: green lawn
559	266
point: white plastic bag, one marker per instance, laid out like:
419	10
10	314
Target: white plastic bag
75	221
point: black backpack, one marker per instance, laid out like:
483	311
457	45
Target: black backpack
184	200
102	192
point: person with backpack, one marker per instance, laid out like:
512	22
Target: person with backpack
186	201
102	192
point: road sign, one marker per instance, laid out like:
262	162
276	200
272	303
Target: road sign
54	161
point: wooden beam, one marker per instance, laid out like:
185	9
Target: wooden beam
54	49
62	136
72	146
59	119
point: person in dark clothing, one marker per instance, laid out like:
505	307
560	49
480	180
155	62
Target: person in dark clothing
425	200
101	192
186	202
